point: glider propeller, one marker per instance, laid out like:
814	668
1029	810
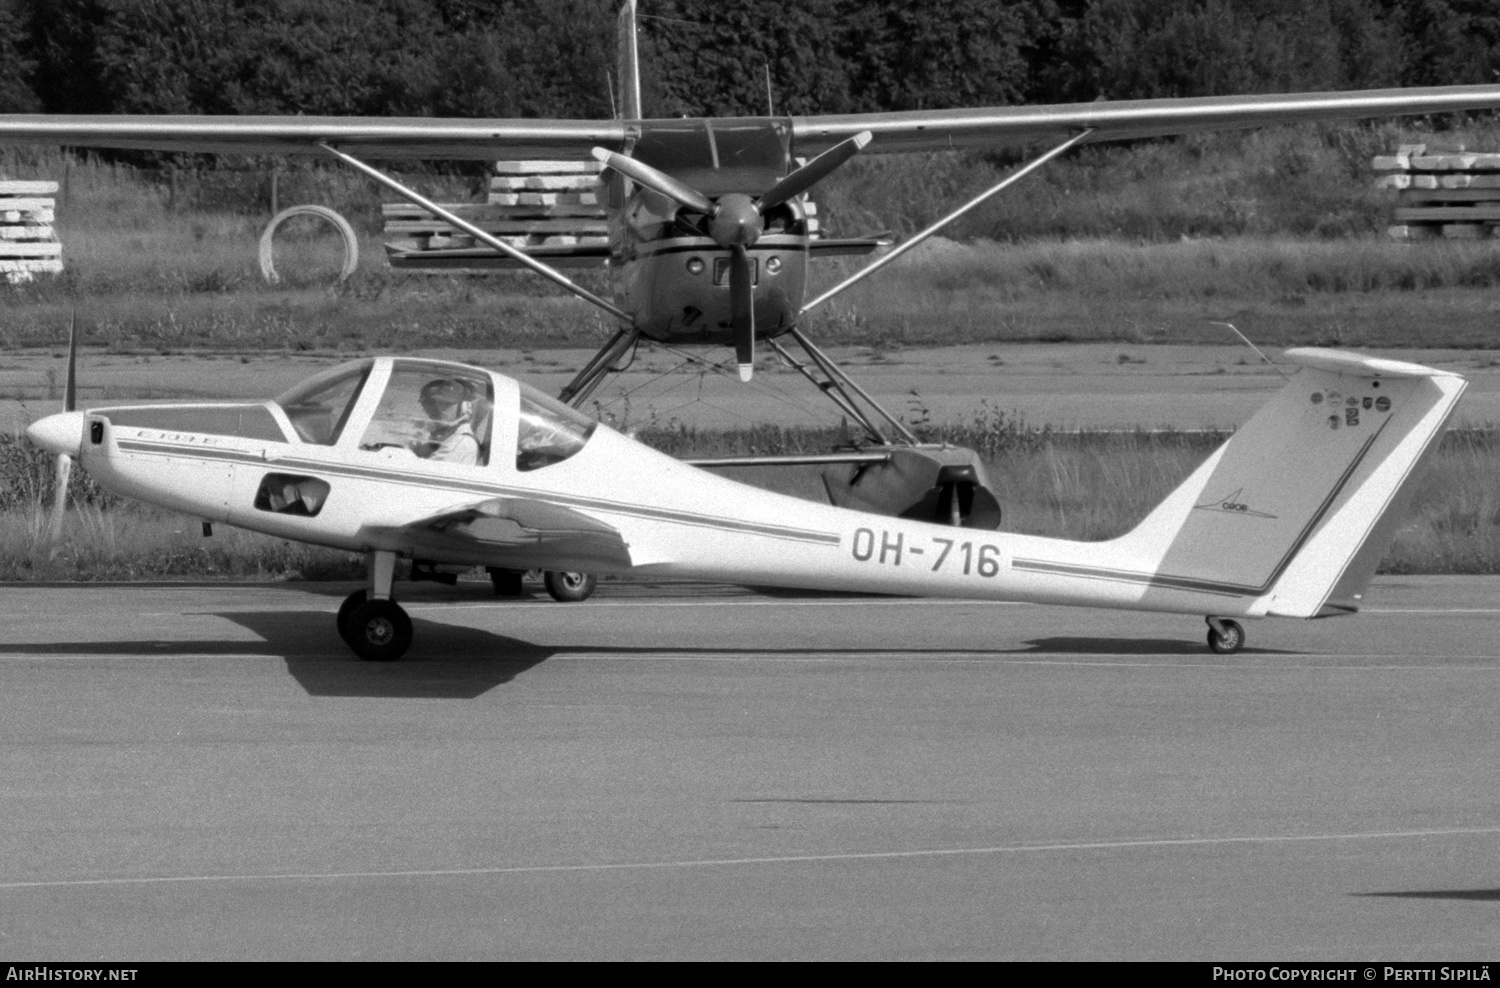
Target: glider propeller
735	222
64	460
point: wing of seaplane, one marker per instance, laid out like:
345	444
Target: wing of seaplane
1014	126
516	532
387	138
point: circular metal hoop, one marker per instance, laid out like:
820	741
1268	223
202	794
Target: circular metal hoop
351	242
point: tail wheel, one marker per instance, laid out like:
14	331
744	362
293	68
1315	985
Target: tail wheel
378	631
571	587
1228	641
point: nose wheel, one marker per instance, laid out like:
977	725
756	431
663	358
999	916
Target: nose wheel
377	630
369	621
1225	637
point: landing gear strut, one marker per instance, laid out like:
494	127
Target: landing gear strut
369	621
1225	636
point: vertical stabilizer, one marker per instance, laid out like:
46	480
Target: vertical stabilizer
1292	515
628	62
1331	573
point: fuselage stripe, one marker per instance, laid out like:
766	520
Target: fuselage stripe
410	479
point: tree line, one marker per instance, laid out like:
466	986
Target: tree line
555	58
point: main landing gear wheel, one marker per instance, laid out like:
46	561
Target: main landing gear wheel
571	587
378	631
1227	638
345	609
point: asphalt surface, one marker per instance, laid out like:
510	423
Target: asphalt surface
691	771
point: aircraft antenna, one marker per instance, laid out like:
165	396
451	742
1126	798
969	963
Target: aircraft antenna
609	84
770	104
1252	346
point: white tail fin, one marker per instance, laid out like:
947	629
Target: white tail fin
628	63
1293	514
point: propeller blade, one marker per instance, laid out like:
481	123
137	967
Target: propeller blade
70	392
64	461
60	496
814	171
742	307
657	181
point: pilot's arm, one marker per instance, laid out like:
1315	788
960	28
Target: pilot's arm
460	447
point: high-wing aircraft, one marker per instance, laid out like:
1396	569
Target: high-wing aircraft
454	466
709	240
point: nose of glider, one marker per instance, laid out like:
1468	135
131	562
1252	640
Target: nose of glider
60	434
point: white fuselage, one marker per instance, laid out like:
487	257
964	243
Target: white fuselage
1228	542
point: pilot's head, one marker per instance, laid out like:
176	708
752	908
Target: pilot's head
447	400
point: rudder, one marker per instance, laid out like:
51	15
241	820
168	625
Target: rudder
1298	507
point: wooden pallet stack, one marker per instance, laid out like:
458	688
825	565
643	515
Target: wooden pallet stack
1441	192
28	242
530	204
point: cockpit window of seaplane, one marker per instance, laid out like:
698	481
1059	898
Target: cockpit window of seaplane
437	412
548	431
319	407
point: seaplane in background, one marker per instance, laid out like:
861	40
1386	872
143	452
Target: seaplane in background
709	241
454	466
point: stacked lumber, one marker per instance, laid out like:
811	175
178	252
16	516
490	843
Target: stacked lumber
28	242
530	204
1441	193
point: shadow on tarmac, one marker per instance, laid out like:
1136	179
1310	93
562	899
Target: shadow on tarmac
1133	646
1478	895
448	661
451	661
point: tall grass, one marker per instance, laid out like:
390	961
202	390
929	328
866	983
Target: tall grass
134	542
1454	525
1367	292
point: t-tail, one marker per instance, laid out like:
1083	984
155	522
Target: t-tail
628	63
1292	515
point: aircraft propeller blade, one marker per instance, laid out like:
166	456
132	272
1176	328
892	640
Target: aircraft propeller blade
70	390
64	461
657	181
742	307
814	171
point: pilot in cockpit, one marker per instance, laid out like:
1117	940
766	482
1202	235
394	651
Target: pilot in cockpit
453	415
